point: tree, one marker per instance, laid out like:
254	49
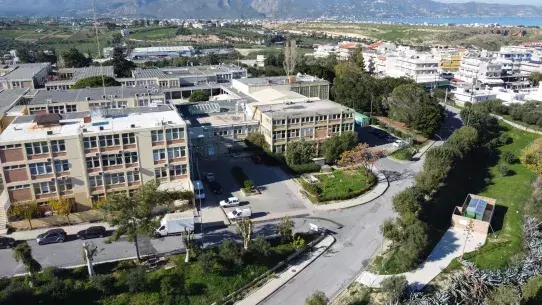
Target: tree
116	38
23	253
257	139
189	243
408	203
25	210
429	119
504	295
261	246
121	66
360	155
317	298
110	26
394	287
24	55
211	59
531	157
199	96
357	59
286	228
532	290
463	141
486	125
134	215
245	229
172	290
536	78
62	206
300	152
75	59
136	280
336	145
90	250
409	238
290	56
438	163
229	252
155	22
96	82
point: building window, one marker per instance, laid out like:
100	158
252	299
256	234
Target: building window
334	128
321	118
130	157
348	115
279	122
18	187
293	121
95	181
177	170
71	108
128	138
11	146
37	109
65	185
132	176
58	146
14	167
279	134
159	154
36	148
43	168
157	135
44	188
93	162
90	142
56	109
109	140
307	119
174	134
335	117
293	133
114	178
160	172
112	160
176	152
62	166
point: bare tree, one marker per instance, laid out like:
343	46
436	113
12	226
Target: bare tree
188	242
245	228
89	253
290	57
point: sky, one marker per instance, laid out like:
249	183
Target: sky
532	2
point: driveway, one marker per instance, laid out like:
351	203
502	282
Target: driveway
279	196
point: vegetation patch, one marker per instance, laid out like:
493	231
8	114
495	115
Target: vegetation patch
404	154
340	185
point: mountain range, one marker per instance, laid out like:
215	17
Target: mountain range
262	8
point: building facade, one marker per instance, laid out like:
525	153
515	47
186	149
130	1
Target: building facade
29	76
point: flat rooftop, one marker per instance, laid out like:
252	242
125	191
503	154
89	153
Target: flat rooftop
278	80
227	119
24	128
302	108
81	73
80	95
25	71
163	49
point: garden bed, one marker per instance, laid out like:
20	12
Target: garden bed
339	185
403	154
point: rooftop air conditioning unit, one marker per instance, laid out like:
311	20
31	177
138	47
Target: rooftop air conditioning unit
49	132
103	96
87	98
132	126
101	128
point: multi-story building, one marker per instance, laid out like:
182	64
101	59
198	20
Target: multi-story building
477	70
67	77
24	75
449	60
305	85
284	120
529	67
88	155
421	68
155	53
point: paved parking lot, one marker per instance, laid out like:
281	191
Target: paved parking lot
279	194
375	137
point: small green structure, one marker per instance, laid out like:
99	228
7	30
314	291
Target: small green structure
361	119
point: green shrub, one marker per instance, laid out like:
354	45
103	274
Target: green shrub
249	185
104	283
505	139
312	188
305	168
509	157
532	290
504	170
136	280
468	104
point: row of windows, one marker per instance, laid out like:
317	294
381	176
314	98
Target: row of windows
170	134
175	170
172	153
37	148
51	187
112	160
113	179
313	118
54	109
44	168
110	105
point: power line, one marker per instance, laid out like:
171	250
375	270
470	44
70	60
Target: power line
98	43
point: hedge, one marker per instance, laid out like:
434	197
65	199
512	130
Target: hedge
305	168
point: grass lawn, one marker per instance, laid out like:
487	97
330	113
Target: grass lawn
340	185
511	193
404	154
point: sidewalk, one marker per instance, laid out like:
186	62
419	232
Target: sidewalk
449	247
70	230
376	192
274	284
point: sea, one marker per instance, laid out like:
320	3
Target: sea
515	21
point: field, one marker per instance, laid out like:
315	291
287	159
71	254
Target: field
418	35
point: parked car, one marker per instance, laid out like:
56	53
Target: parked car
92	232
51	237
210	177
399	144
239	213
6	242
216	187
230	202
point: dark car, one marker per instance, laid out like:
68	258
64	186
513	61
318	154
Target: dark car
215	187
6	242
52	236
91	232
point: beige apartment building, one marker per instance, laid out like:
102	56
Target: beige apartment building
87	155
24	75
306	85
67	77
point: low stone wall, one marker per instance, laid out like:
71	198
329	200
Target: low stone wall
56	220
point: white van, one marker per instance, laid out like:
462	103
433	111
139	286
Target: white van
239	213
176	223
199	192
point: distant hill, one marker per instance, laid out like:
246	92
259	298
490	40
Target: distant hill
262	8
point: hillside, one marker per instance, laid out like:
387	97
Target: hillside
261	8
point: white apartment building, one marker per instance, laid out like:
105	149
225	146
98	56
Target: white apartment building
88	155
463	95
529	67
480	70
421	68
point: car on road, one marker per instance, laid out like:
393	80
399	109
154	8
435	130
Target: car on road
230	202
239	213
52	236
210	177
6	242
399	144
215	187
92	232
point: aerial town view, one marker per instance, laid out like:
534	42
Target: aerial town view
270	152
